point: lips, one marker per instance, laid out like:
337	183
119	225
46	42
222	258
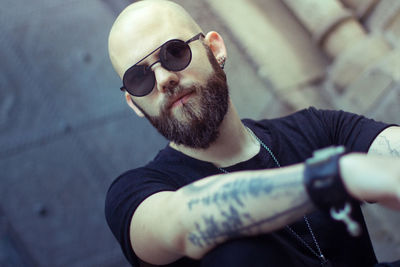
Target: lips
179	99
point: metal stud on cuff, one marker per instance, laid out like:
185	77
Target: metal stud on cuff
325	187
344	215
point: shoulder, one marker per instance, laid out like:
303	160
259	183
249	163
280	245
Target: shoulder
137	184
305	120
169	171
151	173
304	114
321	118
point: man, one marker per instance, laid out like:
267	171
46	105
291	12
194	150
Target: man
218	194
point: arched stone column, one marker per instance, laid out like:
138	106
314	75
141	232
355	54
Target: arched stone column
361	8
341	36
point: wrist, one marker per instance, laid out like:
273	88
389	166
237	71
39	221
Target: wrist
325	187
323	179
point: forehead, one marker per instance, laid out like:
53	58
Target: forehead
143	30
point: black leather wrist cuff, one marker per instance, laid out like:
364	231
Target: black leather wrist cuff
322	179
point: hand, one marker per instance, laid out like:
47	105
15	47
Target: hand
372	178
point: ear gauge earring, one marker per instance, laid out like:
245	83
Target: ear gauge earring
221	62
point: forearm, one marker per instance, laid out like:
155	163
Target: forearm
197	217
372	178
240	204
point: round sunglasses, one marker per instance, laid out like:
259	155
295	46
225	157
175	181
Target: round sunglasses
175	55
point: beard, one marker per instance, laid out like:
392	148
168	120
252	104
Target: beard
199	126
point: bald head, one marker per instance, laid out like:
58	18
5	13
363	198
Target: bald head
145	25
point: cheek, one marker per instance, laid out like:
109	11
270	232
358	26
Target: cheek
149	105
197	72
200	67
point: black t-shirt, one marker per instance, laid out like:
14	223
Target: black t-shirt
292	139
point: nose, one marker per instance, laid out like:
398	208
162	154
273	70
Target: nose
165	79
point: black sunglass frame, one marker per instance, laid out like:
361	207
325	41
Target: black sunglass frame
194	38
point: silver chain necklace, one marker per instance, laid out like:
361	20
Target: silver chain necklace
319	255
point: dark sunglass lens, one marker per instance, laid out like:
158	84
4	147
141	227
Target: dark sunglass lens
139	81
175	55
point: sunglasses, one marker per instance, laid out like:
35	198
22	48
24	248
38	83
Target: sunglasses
175	55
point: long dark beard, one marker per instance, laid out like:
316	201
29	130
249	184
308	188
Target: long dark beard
200	123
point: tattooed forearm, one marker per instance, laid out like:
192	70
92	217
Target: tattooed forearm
243	204
210	229
238	190
234	224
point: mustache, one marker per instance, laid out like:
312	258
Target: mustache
173	94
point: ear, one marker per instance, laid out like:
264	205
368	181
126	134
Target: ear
133	105
216	44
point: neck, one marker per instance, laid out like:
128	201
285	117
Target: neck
233	145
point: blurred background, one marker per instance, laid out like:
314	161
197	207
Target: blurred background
66	132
